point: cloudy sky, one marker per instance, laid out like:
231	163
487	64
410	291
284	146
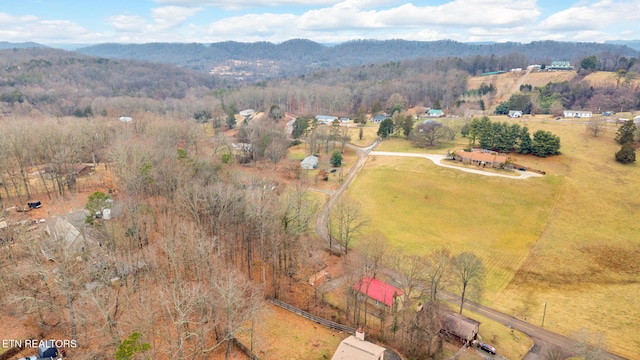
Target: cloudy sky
324	21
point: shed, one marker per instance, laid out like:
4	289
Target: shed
377	290
515	113
310	162
460	326
357	348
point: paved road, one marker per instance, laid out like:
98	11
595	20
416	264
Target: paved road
322	222
541	337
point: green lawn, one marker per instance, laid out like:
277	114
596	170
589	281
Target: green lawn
569	238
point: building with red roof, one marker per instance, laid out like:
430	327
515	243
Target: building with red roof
378	290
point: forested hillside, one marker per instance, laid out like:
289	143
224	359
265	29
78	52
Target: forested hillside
299	56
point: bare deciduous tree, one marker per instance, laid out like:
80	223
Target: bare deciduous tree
347	220
469	271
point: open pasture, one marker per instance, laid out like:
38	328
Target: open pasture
569	238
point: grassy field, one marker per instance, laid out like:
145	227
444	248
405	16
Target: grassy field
281	332
569	239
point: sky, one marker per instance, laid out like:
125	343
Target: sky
325	21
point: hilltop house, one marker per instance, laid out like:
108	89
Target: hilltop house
435	113
378	291
577	114
460	326
481	158
357	348
560	65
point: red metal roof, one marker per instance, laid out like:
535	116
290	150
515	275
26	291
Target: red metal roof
378	290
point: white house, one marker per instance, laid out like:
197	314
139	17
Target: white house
325	119
309	163
577	114
515	113
357	348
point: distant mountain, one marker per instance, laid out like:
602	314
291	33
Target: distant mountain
294	57
634	44
24	45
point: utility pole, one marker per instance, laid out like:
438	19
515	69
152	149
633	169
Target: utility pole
544	312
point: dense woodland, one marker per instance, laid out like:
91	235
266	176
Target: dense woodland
196	244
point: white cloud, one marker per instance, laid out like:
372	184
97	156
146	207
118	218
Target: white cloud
127	23
32	28
167	17
245	4
593	16
253	27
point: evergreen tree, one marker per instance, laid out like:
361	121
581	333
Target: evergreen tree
524	141
545	143
336	159
627	153
626	132
386	128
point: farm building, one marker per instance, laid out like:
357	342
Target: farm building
344	120
577	114
515	113
481	158
636	119
325	119
378	291
357	348
435	113
460	326
309	163
560	65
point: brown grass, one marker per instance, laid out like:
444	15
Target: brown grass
280	334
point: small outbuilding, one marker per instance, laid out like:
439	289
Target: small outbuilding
515	113
460	326
310	163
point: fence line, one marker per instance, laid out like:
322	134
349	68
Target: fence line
317	319
244	349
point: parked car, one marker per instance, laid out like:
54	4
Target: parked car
333	170
488	348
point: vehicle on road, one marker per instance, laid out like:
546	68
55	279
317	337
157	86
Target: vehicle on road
488	348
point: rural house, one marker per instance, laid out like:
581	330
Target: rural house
435	113
379	118
309	163
560	65
357	348
325	119
460	326
378	291
515	113
577	114
481	158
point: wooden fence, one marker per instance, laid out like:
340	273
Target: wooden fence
317	319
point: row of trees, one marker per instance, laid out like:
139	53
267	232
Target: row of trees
505	137
626	137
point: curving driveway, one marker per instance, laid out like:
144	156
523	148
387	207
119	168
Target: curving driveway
437	159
